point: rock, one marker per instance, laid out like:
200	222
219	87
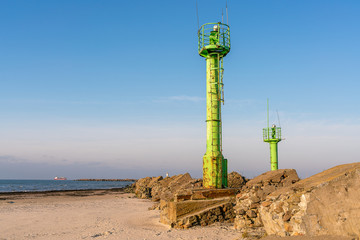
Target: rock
154	181
157	188
254	205
141	188
178	183
265	204
156	206
130	188
186	214
287	216
254	193
277	178
235	180
324	204
241	212
255	199
198	206
268	189
251	214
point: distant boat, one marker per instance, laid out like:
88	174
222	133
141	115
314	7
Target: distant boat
60	178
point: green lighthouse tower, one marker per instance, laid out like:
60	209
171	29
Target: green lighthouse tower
214	45
272	135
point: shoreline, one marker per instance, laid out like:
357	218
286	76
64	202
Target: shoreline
52	186
106	180
69	193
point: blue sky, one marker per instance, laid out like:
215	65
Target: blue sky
113	89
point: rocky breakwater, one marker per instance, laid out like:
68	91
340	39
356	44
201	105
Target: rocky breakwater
107	180
197	206
184	203
253	195
156	188
327	203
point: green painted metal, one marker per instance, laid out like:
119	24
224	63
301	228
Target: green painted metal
225	173
267	113
272	135
273	156
214	44
211	41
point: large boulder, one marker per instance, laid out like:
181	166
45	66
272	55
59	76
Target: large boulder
157	188
235	180
254	193
178	184
327	203
142	189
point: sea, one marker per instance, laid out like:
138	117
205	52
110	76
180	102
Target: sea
57	185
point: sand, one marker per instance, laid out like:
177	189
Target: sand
91	215
98	214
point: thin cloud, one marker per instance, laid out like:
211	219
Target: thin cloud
245	102
10	158
182	98
187	98
49	101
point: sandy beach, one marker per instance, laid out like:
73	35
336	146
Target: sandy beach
97	214
90	215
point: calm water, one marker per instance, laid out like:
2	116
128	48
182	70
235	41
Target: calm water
48	185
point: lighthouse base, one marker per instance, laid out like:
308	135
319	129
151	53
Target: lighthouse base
214	171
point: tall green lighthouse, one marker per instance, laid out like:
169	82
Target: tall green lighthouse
214	45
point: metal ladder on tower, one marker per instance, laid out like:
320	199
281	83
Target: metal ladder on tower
221	96
216	88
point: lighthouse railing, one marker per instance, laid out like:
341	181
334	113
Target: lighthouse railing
272	133
205	34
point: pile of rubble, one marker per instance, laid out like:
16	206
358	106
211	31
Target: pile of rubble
235	180
253	195
183	203
156	188
324	204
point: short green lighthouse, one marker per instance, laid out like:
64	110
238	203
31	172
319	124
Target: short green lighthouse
272	135
214	45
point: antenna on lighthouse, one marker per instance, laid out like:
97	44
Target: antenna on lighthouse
197	14
222	15
277	113
227	15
